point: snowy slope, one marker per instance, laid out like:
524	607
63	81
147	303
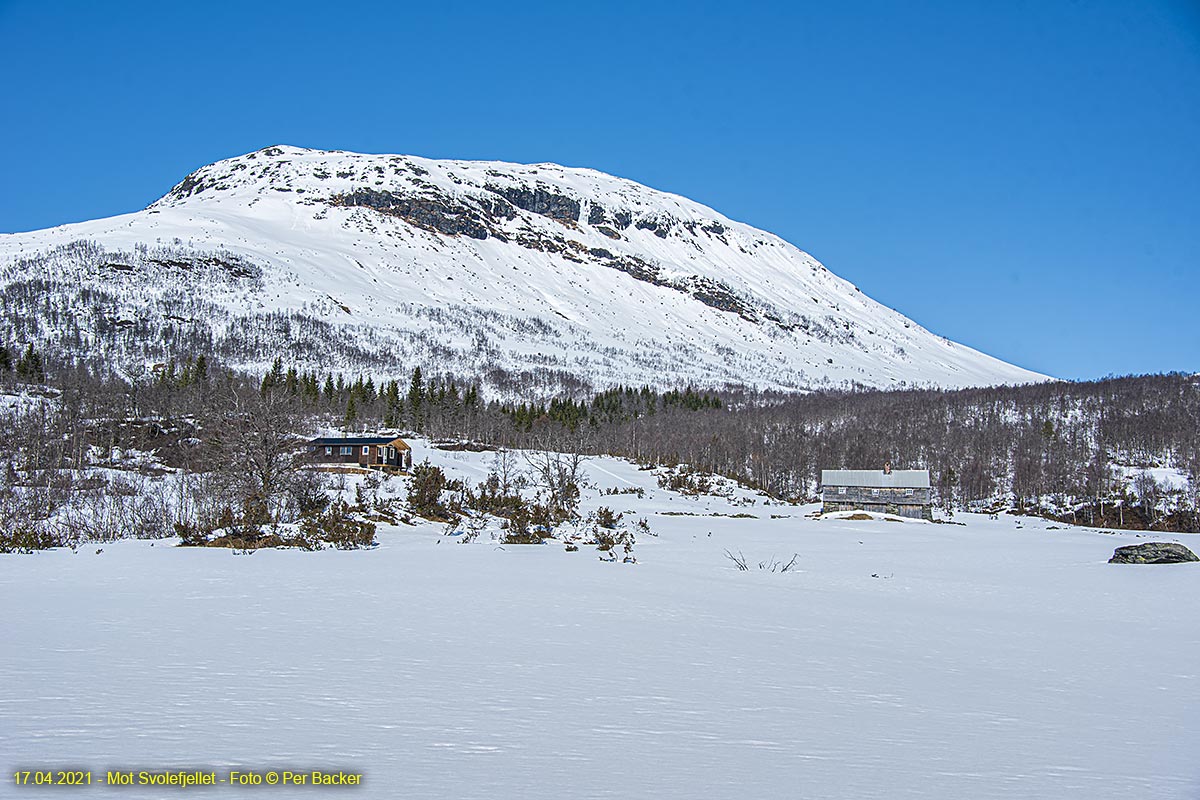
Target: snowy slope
377	262
998	659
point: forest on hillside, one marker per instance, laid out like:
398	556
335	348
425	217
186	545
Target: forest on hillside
1086	451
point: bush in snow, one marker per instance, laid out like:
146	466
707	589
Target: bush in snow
21	536
529	525
336	526
425	491
606	530
605	517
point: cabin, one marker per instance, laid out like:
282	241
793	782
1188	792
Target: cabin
373	452
904	492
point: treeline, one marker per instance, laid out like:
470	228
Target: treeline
1052	445
1042	444
439	406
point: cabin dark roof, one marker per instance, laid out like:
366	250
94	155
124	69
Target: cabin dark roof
336	441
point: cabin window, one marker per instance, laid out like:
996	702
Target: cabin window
908	492
347	450
874	493
328	451
841	490
366	450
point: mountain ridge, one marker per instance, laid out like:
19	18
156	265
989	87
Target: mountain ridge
474	265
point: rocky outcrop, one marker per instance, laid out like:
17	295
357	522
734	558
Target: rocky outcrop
1153	553
194	184
600	218
539	201
660	226
721	297
440	214
483	216
714	294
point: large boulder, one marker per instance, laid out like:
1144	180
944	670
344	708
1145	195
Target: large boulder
1153	553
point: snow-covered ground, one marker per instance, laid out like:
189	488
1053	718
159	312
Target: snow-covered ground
1165	477
1003	658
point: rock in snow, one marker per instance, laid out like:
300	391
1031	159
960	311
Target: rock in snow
1153	553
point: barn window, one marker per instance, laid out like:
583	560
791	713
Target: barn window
328	451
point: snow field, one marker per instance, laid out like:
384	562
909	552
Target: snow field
1003	658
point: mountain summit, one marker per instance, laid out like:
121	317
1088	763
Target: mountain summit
564	277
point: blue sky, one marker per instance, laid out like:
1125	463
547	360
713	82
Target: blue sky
1023	177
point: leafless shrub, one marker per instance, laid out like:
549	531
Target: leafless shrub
474	527
129	507
559	476
779	566
771	565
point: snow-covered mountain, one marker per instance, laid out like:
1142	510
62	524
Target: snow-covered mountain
344	261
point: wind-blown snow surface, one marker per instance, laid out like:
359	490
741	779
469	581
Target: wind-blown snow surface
468	266
1001	659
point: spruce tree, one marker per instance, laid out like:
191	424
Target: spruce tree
29	367
274	378
416	397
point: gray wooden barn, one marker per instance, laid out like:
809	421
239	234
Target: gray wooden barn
904	492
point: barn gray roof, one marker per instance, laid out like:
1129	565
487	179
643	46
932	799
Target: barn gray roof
876	478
